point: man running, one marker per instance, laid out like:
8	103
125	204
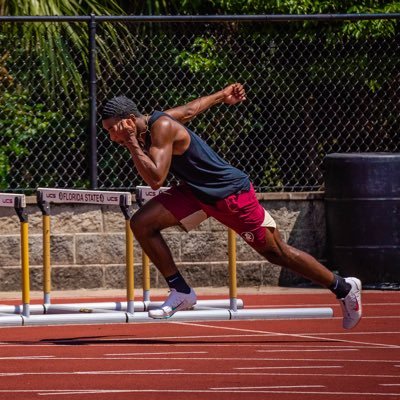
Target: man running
209	187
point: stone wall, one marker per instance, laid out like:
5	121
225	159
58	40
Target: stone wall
88	246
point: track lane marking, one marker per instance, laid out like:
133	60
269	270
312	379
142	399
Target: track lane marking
269	387
158	353
68	342
316	305
117	391
178	373
210	344
291	367
296	335
28	358
217	359
303	350
97	372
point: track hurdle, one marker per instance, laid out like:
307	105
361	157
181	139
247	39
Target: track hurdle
47	196
62	313
18	202
143	194
91	313
44	198
146	193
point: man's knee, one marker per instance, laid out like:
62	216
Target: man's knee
276	251
140	225
273	254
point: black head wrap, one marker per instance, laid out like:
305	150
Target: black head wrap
119	107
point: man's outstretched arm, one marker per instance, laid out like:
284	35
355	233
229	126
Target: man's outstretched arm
232	94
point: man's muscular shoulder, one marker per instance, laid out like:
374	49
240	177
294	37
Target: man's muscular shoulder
166	130
162	130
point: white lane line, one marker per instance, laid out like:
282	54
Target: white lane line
348	333
303	350
160	353
27	357
118	372
83	358
298	346
211	344
316	305
268	387
383	317
66	342
389	384
118	391
179	373
292	367
302	336
138	339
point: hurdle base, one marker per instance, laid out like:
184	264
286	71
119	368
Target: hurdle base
199	315
139	306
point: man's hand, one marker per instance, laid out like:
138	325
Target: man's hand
124	133
234	94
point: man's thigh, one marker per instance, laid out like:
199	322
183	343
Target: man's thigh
153	214
183	205
244	214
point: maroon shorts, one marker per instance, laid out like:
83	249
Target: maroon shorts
241	212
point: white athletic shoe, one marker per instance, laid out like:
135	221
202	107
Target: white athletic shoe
351	304
176	301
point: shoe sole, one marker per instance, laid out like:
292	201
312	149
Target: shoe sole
358	285
173	312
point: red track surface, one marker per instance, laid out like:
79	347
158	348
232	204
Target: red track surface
279	360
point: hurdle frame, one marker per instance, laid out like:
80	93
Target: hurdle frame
18	202
143	194
46	196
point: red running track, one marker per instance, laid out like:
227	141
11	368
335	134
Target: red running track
230	360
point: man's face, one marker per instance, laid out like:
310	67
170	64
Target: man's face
119	129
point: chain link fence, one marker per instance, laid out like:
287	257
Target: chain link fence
311	90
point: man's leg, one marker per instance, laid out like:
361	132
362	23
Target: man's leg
280	253
243	213
347	290
171	208
147	224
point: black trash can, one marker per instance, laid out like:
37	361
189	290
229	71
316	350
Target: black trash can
362	199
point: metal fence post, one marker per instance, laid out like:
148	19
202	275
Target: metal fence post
92	104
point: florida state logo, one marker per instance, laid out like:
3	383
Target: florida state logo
248	237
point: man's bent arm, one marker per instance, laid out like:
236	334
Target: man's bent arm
153	167
232	94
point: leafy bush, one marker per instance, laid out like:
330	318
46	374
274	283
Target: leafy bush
20	121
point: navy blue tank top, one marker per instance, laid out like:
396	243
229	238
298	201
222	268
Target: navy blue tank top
209	176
